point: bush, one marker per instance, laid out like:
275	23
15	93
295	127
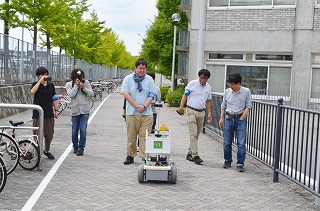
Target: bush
164	91
174	98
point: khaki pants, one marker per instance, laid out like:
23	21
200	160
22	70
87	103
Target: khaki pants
136	128
48	130
195	124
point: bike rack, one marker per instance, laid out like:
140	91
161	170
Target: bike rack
41	115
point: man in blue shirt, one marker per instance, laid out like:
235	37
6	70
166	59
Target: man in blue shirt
235	107
138	90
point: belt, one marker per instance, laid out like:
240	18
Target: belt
199	110
234	115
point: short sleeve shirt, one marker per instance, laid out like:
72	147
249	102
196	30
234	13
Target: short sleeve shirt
130	86
236	103
43	98
198	94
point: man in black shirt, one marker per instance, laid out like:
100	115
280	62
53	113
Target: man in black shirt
44	95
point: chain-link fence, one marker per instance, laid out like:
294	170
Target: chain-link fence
19	60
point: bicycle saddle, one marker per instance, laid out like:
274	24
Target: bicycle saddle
16	123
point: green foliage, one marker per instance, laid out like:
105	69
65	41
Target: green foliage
164	91
157	46
174	98
63	25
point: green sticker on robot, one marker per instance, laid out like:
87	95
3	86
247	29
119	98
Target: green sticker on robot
157	145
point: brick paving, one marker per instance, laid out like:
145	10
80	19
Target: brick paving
99	180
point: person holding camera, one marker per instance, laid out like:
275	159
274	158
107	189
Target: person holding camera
44	95
79	90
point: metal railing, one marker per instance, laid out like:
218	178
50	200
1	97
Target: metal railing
284	138
19	60
41	115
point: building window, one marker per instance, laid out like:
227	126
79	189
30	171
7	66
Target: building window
225	56
226	3
315	85
261	80
279	81
273	57
253	77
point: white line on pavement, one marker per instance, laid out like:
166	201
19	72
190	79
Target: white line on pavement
37	193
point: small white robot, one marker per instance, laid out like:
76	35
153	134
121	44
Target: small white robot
157	165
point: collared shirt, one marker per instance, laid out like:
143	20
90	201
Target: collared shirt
130	86
198	94
43	98
236	102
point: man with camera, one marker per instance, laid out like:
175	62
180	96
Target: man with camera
44	95
79	90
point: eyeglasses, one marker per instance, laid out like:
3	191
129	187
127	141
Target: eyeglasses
142	68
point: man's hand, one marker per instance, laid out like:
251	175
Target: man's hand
140	108
180	111
209	117
56	114
221	123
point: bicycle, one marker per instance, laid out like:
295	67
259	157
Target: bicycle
9	150
24	151
65	100
97	93
28	148
3	173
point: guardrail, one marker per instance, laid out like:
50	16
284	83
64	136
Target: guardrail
41	115
284	138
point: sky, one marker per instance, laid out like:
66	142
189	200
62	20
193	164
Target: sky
127	18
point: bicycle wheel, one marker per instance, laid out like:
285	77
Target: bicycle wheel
91	102
10	152
29	154
3	174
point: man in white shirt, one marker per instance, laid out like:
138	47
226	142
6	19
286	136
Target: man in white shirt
198	96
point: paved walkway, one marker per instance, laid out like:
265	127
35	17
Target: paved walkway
99	180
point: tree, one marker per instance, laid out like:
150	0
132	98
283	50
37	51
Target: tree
157	45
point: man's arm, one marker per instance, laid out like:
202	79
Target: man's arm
182	103
208	106
221	118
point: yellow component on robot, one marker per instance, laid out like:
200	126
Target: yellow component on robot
163	128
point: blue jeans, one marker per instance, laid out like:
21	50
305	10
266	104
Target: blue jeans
79	122
234	126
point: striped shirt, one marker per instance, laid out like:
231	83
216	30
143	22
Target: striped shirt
236	102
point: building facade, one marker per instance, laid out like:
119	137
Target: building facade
273	44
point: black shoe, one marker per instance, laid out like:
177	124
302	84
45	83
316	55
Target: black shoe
240	169
227	164
75	151
49	155
190	158
128	160
80	152
197	160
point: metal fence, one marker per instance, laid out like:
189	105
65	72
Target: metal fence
284	138
19	60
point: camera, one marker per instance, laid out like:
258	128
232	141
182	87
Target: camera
79	77
49	78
